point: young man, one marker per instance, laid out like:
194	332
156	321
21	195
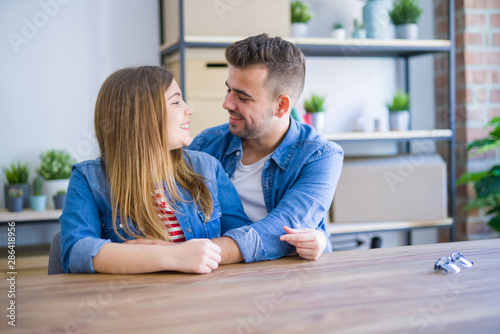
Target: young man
284	172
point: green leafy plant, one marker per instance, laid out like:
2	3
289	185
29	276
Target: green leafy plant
37	186
61	193
405	12
486	183
16	192
358	25
314	103
17	173
56	165
300	12
400	102
338	25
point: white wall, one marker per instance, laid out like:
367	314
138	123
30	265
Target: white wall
49	84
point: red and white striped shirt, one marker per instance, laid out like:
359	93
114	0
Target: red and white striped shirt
168	217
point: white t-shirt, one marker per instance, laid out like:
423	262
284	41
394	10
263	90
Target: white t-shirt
248	183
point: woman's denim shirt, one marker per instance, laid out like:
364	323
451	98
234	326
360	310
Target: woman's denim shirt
86	221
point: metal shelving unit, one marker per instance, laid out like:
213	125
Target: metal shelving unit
328	47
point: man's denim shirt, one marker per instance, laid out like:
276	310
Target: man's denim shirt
86	221
298	182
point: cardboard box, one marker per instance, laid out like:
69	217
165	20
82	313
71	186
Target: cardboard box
400	188
241	18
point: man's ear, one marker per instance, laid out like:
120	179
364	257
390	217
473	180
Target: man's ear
284	105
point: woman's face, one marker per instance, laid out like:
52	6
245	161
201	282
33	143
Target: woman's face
178	113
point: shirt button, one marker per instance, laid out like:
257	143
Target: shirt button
238	153
188	230
120	226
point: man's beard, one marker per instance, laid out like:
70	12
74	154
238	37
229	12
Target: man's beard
256	131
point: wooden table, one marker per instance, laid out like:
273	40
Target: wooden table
390	290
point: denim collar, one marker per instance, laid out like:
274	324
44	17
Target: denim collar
284	151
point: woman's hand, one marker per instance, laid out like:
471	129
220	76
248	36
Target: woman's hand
308	243
199	256
193	256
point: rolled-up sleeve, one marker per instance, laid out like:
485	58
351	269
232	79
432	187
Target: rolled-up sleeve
249	242
80	227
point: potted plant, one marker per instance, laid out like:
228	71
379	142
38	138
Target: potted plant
338	31
404	15
15	200
300	15
17	177
486	183
60	199
38	200
55	169
314	106
359	30
399	114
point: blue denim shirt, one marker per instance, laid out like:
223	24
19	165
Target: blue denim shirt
86	221
298	182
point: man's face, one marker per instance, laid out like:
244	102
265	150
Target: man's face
251	114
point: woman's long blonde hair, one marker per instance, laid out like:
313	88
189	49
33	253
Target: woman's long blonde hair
131	129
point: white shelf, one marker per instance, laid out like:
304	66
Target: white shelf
430	45
29	215
389	135
345	228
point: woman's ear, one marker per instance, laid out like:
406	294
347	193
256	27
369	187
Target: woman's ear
284	105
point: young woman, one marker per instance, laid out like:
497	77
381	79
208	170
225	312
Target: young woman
177	199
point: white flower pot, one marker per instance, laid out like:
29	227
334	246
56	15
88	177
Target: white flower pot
318	121
299	30
407	31
338	33
399	120
51	187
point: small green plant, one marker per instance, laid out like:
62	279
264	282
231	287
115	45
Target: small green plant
400	102
338	25
405	12
486	183
300	12
17	173
314	103
358	25
56	165
16	192
37	186
61	192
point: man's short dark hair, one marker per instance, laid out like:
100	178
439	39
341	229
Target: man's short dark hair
284	61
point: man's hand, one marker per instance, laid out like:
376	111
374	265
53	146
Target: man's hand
309	243
230	252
